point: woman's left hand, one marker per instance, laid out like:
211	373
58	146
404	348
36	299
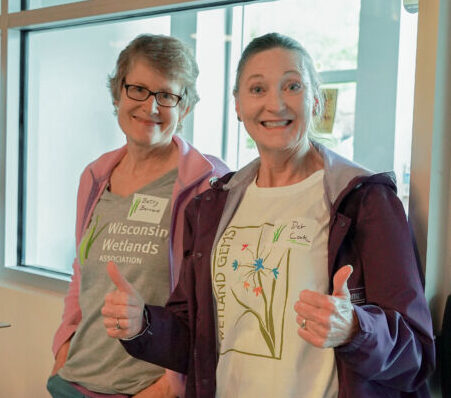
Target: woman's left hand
324	320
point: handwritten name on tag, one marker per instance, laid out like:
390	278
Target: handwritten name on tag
297	232
147	208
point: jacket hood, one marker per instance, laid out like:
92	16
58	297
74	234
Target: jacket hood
340	175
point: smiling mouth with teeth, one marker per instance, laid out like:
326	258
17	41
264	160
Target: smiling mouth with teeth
280	123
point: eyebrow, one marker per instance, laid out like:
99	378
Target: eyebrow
288	72
160	90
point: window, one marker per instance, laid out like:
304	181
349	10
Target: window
60	107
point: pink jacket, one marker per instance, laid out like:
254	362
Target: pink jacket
194	173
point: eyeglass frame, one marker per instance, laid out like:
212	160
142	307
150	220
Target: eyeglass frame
150	93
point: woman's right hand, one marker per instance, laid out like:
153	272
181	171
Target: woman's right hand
60	357
123	308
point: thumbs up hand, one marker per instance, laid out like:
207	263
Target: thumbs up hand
324	320
123	308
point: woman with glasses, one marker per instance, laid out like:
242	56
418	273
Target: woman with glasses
299	278
130	210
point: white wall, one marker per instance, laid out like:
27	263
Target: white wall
25	348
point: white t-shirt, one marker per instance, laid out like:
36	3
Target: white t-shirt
274	247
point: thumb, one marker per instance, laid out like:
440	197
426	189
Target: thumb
122	284
341	281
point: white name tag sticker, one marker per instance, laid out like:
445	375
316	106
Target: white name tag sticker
147	208
297	232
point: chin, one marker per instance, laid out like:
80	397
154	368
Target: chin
278	145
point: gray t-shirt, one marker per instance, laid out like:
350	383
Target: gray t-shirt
134	233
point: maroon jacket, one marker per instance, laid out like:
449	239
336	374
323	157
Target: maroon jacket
393	353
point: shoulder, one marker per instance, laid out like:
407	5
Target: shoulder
106	162
217	187
219	166
374	203
377	187
197	169
216	192
99	169
193	163
103	165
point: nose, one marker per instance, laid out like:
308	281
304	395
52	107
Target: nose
275	101
150	105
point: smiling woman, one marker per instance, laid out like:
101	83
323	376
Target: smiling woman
139	190
287	277
272	101
147	122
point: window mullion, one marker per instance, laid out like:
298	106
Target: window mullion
228	15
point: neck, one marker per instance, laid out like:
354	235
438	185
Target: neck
287	167
141	160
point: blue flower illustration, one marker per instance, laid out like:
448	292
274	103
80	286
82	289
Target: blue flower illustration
235	265
258	264
275	271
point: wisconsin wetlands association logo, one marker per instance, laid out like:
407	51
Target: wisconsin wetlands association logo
88	239
134	206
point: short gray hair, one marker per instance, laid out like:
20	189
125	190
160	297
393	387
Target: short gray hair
168	55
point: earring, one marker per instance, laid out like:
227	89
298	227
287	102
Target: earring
239	119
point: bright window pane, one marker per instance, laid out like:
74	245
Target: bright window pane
329	30
70	123
404	103
210	54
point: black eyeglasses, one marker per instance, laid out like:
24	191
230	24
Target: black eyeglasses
139	93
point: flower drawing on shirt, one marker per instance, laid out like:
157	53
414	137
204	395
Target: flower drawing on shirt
88	239
260	270
257	290
258	264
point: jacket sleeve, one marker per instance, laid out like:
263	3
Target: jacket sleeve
166	342
395	345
